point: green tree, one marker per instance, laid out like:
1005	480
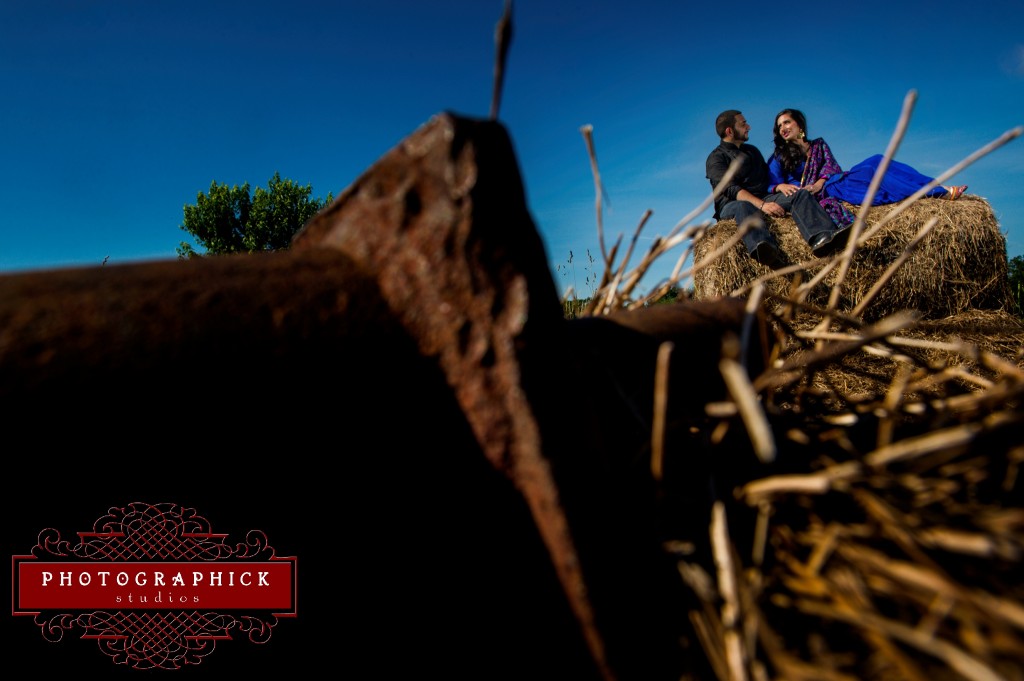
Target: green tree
671	296
1017	282
230	220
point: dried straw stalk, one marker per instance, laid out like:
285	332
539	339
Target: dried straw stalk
886	540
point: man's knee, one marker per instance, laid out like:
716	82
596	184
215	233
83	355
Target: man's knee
739	211
803	197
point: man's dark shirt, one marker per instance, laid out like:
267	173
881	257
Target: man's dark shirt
752	175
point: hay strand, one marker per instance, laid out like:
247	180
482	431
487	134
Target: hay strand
882	508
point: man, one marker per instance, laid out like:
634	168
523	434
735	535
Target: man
746	196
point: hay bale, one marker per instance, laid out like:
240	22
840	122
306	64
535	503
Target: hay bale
869	376
960	265
885	540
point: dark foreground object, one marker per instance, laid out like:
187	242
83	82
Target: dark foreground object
463	474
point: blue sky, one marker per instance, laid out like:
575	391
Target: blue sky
117	113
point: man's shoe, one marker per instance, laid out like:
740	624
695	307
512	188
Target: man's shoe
826	243
768	255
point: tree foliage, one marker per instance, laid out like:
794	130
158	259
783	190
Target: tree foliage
1017	282
231	220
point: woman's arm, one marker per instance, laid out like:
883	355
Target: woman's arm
821	165
778	179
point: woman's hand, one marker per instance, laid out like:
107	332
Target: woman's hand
787	189
816	187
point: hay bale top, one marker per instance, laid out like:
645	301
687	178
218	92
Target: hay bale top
956	264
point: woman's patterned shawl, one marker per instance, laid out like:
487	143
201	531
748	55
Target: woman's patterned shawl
821	163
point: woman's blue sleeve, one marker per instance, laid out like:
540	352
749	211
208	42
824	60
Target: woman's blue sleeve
775	175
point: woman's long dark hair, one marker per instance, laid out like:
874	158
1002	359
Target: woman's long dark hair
788	153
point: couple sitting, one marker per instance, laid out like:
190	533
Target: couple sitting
775	188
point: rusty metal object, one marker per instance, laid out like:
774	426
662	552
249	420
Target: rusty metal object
279	392
442	221
413	336
72	332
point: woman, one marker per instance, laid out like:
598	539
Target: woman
798	164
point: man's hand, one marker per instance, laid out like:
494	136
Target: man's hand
773	209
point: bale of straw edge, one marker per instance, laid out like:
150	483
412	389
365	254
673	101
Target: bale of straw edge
959	265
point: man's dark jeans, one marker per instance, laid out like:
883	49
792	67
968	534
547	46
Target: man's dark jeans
810	217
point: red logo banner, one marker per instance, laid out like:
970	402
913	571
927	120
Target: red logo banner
154	585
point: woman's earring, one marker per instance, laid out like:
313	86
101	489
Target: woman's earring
802	135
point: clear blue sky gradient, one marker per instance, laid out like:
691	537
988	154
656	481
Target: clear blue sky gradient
117	113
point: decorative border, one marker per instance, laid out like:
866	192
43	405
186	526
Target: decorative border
150	639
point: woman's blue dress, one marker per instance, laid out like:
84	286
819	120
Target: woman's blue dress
899	183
